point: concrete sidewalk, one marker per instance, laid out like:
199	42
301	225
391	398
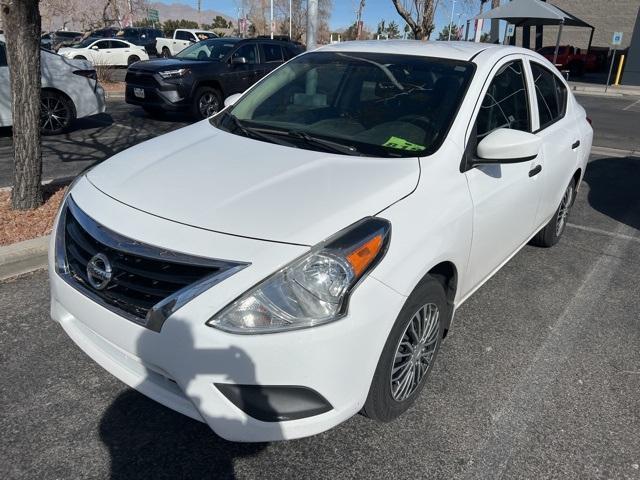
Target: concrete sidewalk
598	89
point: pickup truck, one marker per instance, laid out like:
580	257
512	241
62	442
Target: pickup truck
572	59
182	38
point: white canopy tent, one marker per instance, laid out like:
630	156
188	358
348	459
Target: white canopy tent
525	13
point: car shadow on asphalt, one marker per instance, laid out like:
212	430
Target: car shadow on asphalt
614	188
147	440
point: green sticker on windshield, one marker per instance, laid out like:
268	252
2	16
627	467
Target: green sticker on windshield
402	144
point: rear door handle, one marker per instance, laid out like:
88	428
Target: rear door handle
535	170
575	145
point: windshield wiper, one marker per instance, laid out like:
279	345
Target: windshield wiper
312	140
254	133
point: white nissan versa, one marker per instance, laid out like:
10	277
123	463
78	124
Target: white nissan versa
298	258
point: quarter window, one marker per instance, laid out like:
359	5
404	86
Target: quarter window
551	95
505	104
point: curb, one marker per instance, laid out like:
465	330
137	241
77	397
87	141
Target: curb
23	257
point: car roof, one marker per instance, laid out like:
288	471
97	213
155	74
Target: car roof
455	50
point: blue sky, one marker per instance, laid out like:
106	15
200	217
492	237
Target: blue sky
344	11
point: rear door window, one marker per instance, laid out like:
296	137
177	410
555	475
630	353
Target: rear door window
272	53
551	95
505	105
182	35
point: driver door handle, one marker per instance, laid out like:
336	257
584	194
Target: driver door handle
535	170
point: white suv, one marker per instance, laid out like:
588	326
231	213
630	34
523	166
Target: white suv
299	257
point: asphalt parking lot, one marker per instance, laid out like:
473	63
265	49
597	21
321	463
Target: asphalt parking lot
97	138
539	378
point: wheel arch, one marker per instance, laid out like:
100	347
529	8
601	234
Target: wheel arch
446	273
213	83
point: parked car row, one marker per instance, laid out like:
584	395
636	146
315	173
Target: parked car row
202	75
70	90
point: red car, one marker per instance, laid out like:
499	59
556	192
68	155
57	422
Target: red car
572	59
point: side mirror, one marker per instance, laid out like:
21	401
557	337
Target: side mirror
95	47
232	99
505	145
238	61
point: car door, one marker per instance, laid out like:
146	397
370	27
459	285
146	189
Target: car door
120	52
505	196
561	138
241	76
5	88
272	57
182	40
103	55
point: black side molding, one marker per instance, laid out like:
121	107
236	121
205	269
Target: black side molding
276	403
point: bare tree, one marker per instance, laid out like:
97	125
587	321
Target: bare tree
21	19
419	15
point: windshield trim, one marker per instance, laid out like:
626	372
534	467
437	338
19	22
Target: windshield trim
217	119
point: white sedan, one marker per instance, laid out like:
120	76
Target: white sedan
106	51
299	257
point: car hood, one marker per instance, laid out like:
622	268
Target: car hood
211	179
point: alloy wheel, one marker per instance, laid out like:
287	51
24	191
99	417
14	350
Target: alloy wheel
563	211
415	352
208	104
55	114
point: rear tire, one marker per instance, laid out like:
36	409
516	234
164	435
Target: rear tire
409	353
166	53
132	59
206	102
79	57
57	113
552	231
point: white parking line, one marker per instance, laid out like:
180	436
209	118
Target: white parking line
604	232
631	105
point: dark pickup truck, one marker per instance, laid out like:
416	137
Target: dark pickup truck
201	76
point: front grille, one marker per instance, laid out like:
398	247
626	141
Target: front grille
142	277
138	77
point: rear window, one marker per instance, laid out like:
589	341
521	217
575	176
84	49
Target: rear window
551	95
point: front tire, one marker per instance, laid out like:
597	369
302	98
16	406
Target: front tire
409	353
79	57
57	113
206	102
551	233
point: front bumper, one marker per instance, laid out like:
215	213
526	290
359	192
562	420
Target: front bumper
181	365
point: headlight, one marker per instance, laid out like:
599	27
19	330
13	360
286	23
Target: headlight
181	72
313	289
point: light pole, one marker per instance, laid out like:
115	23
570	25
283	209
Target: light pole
453	6
290	13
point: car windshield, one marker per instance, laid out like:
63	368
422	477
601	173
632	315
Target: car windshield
213	49
373	104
